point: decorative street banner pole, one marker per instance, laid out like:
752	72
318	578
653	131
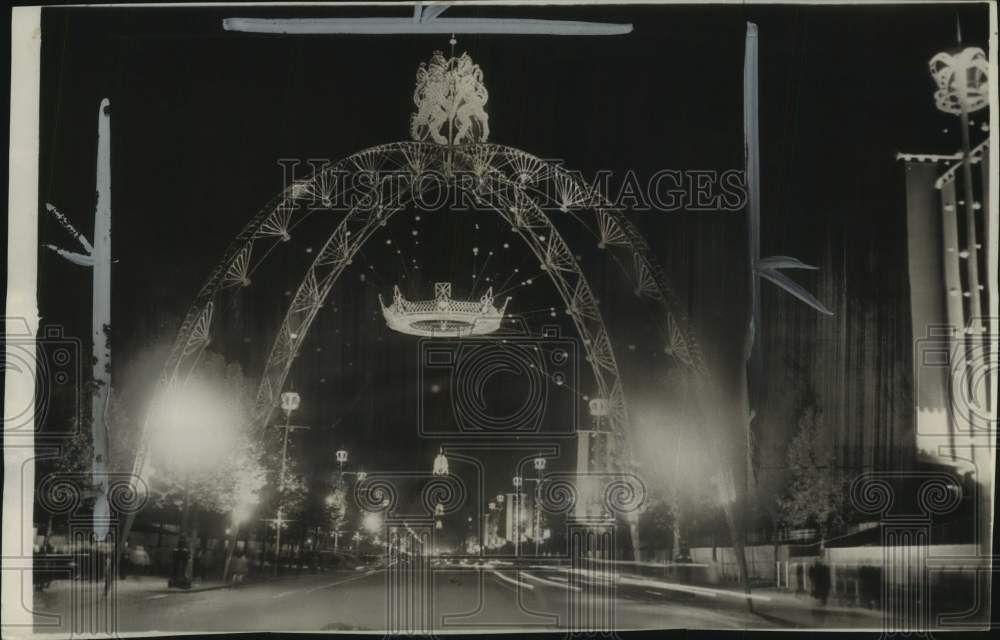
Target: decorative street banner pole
962	78
769	269
98	258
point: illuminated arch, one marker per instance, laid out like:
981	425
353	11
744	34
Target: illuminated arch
515	184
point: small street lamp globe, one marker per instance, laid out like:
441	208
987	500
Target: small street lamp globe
540	464
440	464
439	509
361	476
500	497
290	401
517	482
493	506
341	456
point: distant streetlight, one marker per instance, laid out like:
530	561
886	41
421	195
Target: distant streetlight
290	401
440	464
361	476
539	469
372	522
500	497
518	481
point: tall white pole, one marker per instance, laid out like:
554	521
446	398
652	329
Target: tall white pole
102	322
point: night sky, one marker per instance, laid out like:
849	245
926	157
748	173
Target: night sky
200	118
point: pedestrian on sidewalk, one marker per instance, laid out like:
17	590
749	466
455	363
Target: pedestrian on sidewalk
198	569
820	575
124	562
240	567
178	574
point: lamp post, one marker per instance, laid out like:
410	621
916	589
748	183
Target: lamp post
963	80
341	460
539	468
490	536
517	515
290	401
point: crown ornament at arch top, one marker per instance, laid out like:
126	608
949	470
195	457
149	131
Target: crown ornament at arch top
450	99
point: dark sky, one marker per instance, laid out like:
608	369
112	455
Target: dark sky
201	116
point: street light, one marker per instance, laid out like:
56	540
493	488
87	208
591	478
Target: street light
290	401
440	463
539	469
372	522
517	513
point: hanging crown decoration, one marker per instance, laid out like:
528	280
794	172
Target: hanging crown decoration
443	317
962	79
451	101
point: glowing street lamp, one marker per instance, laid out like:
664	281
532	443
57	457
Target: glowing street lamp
440	463
518	481
372	522
290	401
539	468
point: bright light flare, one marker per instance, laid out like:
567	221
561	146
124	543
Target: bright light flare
196	425
372	522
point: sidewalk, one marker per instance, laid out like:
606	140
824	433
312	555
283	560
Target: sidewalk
132	586
784	608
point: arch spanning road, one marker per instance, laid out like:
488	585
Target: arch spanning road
526	191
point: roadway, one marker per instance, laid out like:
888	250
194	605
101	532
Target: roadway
488	598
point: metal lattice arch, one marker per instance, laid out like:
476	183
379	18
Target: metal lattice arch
517	185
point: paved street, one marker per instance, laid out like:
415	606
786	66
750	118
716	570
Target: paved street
500	597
